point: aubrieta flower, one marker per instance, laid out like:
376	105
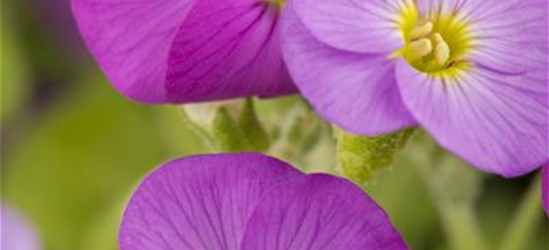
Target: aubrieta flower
471	72
250	201
182	51
16	233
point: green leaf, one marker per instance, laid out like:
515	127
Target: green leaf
235	130
225	132
361	157
255	135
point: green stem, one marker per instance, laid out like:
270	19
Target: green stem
458	220
526	220
462	227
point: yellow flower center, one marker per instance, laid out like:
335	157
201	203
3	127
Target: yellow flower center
434	42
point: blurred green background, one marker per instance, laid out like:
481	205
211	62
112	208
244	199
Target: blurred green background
73	149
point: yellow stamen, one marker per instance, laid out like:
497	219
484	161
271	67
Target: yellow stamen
435	41
418	49
421	31
442	50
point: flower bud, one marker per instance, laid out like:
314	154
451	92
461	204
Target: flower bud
203	114
361	157
232	126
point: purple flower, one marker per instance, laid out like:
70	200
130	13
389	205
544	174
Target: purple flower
545	187
471	72
16	232
249	201
182	51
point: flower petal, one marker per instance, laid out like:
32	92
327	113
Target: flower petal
355	25
228	49
319	212
545	188
495	115
495	120
514	46
131	40
490	17
16	232
356	91
199	202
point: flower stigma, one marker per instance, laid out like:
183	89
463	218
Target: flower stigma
435	42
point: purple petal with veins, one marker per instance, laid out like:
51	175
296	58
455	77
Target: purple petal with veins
246	201
181	51
226	49
320	212
357	91
200	202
